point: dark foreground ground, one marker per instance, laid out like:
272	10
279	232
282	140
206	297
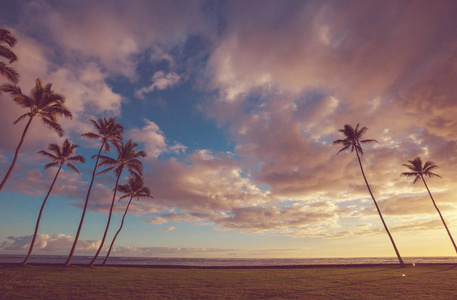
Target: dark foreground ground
307	282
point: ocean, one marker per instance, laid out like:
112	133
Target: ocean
225	262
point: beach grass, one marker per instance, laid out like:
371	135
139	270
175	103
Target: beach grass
337	282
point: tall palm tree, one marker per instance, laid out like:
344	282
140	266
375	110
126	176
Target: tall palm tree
108	131
418	171
60	156
134	189
7	38
42	102
128	158
353	141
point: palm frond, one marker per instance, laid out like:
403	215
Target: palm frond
47	154
369	141
7	37
9	73
91	135
53	125
71	166
77	158
51	165
104	171
7	53
21	118
343	149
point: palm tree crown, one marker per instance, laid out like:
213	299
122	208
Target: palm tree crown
107	131
353	138
7	38
418	171
127	158
62	155
135	189
42	102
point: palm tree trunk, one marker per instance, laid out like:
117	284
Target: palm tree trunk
16	154
119	230
442	219
39	216
109	220
70	256
379	211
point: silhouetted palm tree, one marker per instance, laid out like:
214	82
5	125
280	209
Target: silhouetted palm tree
134	189
127	158
60	156
353	141
43	102
419	171
108	131
7	38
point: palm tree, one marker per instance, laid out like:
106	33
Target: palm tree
127	158
419	171
108	131
60	156
5	51
42	102
353	141
134	189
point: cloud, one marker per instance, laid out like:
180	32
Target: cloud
46	243
154	140
204	183
80	32
60	244
160	81
171	228
156	220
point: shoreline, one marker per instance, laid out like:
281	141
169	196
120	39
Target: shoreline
234	267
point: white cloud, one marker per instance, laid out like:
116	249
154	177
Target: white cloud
46	243
160	81
156	220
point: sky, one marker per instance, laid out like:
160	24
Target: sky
237	104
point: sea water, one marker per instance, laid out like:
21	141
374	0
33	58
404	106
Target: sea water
224	262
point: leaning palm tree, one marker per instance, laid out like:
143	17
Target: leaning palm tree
353	141
108	131
128	158
42	102
7	38
60	156
134	189
418	171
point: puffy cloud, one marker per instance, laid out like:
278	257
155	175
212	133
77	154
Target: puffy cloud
154	140
206	182
160	81
171	228
46	243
